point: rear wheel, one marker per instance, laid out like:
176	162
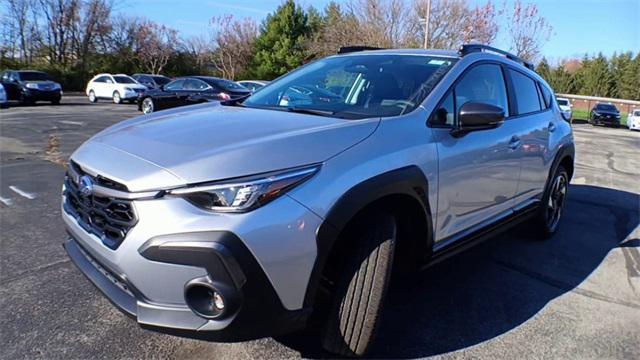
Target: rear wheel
116	98
358	298
147	106
553	202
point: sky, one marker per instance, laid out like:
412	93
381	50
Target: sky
579	26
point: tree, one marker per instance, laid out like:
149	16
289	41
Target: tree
453	22
596	77
337	29
154	46
528	31
280	46
234	41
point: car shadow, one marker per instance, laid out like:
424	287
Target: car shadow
498	285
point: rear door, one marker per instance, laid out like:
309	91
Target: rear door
533	120
478	171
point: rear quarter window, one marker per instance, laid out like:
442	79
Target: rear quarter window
526	93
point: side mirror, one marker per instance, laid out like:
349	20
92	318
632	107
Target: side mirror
478	116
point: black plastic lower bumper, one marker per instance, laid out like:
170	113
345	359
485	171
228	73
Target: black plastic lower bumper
257	311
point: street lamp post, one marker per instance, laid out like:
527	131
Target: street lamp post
426	25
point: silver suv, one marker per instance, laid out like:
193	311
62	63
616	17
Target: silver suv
242	219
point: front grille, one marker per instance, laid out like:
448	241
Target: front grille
108	218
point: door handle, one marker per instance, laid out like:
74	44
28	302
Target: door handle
514	143
552	127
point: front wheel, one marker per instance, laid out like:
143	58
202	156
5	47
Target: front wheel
548	218
147	106
92	97
116	98
358	298
55	102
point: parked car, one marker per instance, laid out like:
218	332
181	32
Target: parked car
565	107
117	88
240	219
604	114
28	86
633	119
252	85
3	97
188	91
151	81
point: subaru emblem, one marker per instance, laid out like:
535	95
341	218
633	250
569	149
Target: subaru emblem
86	185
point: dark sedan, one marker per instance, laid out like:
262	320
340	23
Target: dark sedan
190	90
29	86
151	81
605	114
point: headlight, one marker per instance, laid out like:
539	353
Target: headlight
31	85
243	195
128	89
618	116
57	86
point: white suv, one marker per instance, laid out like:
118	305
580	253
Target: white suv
119	88
633	120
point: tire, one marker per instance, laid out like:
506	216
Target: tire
147	106
116	98
55	102
547	220
358	298
92	97
25	101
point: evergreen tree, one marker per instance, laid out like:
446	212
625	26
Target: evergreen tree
597	79
280	47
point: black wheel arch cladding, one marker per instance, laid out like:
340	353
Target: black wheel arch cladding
407	181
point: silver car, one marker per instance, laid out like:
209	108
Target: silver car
242	219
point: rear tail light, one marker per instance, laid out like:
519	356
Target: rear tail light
224	96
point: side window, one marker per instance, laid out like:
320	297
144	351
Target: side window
483	84
175	85
444	115
193	84
526	93
547	95
101	79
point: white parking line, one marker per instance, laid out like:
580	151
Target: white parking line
69	122
22	193
7	202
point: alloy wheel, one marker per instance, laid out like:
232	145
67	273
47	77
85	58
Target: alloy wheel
556	201
147	106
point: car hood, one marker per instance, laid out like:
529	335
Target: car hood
133	86
213	142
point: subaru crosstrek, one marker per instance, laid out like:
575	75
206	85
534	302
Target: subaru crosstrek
242	219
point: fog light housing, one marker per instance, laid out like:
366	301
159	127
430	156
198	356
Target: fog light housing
205	300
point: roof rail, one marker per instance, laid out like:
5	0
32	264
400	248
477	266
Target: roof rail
350	49
472	48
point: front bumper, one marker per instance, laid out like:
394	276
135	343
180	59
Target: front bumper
42	95
146	275
609	120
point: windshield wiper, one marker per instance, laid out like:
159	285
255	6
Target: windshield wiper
310	111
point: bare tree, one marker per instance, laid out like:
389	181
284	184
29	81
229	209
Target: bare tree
528	30
453	22
154	46
89	27
18	29
382	23
200	49
234	41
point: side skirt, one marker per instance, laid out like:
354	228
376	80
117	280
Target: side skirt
469	238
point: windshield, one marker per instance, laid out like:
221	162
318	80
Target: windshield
33	76
636	113
161	80
355	86
563	102
124	79
606	107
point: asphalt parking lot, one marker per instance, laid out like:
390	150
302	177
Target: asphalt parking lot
574	296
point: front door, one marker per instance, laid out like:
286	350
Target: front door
478	171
